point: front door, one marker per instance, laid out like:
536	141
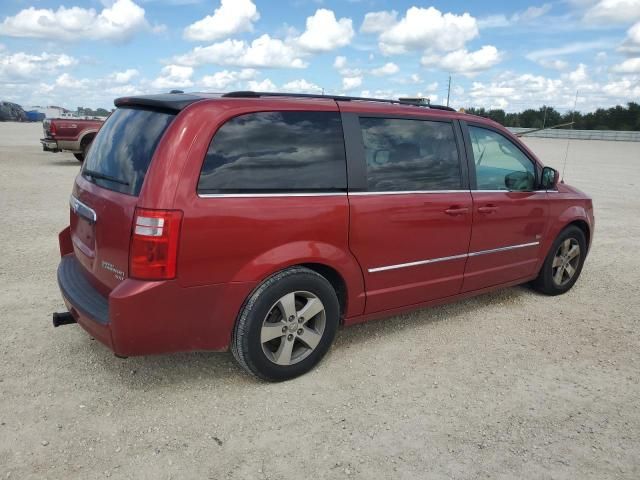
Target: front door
509	215
410	226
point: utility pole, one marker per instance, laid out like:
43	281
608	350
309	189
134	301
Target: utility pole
449	91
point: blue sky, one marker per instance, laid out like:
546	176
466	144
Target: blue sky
510	55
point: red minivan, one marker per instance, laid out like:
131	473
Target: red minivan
260	222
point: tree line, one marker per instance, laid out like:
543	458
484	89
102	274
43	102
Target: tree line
614	118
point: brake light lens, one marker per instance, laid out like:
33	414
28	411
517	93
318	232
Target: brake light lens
52	129
154	244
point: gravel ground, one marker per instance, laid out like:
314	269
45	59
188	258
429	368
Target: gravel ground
506	385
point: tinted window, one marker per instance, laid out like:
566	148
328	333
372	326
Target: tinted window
410	155
276	152
124	147
500	165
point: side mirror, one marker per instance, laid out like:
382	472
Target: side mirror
519	181
549	178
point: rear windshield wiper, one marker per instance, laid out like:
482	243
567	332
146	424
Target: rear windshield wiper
102	176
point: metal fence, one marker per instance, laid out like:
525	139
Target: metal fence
620	136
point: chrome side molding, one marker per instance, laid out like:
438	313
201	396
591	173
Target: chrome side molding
452	257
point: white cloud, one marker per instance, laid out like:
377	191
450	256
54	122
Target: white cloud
232	16
378	22
631	65
265	85
613	11
340	62
625	89
341	65
554	64
119	22
465	62
223	79
631	44
579	75
301	86
23	66
263	52
568	49
349	83
526	16
387	69
173	76
67	81
428	28
125	76
325	33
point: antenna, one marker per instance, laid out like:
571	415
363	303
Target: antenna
449	90
566	152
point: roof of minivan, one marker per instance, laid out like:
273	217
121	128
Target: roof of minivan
178	101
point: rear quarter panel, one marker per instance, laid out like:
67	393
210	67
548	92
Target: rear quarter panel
245	239
73	130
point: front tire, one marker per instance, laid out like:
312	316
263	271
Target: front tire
79	157
287	325
563	264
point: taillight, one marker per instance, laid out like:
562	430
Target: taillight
154	244
52	129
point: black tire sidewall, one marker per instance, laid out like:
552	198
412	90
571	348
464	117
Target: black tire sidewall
297	280
547	283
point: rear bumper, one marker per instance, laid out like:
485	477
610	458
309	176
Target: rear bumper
49	145
142	318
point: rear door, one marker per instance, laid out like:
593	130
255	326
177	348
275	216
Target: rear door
410	207
106	192
509	214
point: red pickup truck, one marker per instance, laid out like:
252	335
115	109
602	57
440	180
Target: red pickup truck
70	134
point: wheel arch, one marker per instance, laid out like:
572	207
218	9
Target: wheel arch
88	135
335	279
340	269
574	215
582	225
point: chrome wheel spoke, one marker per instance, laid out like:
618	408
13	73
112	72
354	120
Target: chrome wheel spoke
565	246
557	277
282	356
310	337
557	261
287	306
570	270
311	309
573	252
270	331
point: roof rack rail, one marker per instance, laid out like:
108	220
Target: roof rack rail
417	102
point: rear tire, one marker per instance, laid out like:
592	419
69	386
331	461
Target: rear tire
287	325
563	264
86	143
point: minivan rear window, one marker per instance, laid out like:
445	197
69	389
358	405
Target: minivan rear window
121	152
280	151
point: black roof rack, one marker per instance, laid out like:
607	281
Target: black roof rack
341	98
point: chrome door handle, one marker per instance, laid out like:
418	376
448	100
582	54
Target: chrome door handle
453	211
487	209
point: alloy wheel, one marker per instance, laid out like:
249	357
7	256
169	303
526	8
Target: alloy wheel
293	328
566	261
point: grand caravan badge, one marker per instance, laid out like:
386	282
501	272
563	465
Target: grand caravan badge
117	273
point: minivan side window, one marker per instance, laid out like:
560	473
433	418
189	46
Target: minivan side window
500	165
410	155
273	152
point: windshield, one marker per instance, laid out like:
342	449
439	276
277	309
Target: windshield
121	152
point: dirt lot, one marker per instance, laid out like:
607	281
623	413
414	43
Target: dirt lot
506	385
